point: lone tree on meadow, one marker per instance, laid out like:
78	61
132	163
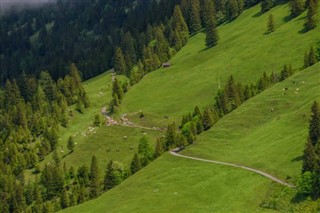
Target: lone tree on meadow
70	144
271	26
212	36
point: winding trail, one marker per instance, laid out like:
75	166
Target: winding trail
282	182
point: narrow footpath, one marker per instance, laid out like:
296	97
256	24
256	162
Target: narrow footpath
282	182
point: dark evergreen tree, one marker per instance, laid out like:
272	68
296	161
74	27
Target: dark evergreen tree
119	62
311	21
180	28
207	11
114	175
271	25
266	5
70	144
212	36
296	7
170	136
135	164
314	126
207	118
312	56
194	19
64	199
159	147
94	178
309	162
145	151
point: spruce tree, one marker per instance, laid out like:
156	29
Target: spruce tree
232	9
159	147
135	164
314	126
207	118
212	36
170	136
309	162
194	19
94	178
119	62
311	15
306	60
270	26
296	7
179	26
145	151
312	56
207	11
70	144
266	5
64	199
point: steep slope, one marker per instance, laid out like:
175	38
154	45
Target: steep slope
268	131
244	50
251	135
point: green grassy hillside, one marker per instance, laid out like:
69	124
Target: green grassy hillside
251	135
171	184
244	50
268	131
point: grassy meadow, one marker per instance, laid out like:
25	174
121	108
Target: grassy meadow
267	132
171	184
244	50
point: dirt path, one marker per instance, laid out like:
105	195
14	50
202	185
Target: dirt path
238	166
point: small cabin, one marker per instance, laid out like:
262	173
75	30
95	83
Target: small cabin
166	65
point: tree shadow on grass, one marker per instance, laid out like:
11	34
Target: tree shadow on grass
299	197
257	14
205	49
287	18
303	30
299	158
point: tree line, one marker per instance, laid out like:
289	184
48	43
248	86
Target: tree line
31	114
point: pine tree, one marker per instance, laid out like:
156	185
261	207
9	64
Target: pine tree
270	25
135	164
94	178
284	73
212	36
306	60
311	15
194	19
70	144
114	175
207	11
232	9
207	119
312	56
266	5
159	147
119	62
309	162
179	26
145	151
64	199
296	7
314	126
170	136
